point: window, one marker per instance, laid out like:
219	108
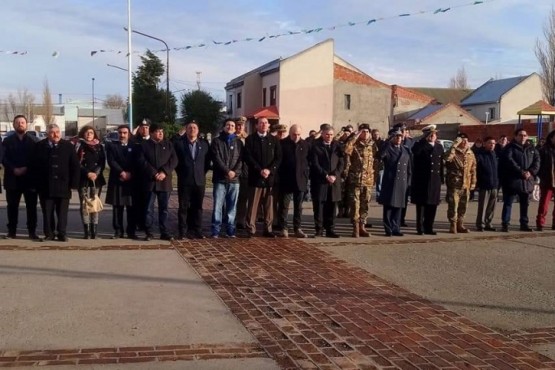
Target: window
264	97
239	100
347	102
273	95
231	103
492	113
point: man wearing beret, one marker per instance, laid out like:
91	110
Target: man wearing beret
460	165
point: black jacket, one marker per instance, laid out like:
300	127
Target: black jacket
227	155
396	175
487	169
153	158
262	153
427	174
55	170
325	162
92	159
16	154
293	170
120	158
516	160
547	166
191	172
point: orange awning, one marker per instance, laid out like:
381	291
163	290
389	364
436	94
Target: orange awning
270	112
540	107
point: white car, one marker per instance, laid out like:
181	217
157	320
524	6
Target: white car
447	144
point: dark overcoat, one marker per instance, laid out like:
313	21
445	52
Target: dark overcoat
396	175
516	160
325	162
120	159
262	153
155	157
55	170
191	172
427	173
226	153
293	170
17	154
92	159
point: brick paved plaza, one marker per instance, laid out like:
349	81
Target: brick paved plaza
379	303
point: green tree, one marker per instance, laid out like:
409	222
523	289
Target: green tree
200	106
149	100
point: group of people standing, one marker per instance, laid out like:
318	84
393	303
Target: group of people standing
258	175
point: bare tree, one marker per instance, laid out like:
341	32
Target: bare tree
460	80
47	106
23	104
545	52
115	101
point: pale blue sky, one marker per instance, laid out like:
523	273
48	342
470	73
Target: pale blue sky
494	39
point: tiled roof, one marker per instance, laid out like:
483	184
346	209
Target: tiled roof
539	107
491	91
426	111
444	95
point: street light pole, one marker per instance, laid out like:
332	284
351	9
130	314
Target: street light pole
94	126
129	73
167	67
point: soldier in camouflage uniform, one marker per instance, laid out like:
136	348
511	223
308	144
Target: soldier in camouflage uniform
460	165
359	175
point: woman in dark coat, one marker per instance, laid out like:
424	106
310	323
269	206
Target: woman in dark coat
326	166
395	182
427	176
93	160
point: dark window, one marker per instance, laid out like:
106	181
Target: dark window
231	103
273	95
264	97
492	113
347	102
239	100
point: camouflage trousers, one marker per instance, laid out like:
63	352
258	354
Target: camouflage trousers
457	199
359	199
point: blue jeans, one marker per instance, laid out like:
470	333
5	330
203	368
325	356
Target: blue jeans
508	198
225	193
163	198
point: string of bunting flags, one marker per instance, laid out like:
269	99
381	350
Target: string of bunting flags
366	22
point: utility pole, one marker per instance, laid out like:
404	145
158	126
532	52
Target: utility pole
198	79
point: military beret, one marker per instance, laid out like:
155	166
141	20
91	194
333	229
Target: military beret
364	126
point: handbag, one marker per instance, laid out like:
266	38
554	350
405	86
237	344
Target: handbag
91	201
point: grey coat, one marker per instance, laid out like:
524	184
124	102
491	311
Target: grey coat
396	176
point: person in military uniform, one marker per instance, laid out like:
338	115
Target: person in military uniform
343	205
460	165
427	177
359	175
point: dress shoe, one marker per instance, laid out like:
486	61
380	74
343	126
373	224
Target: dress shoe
284	233
35	237
505	229
480	229
431	232
526	228
62	238
420	233
198	235
268	234
397	234
318	233
167	237
332	234
11	236
387	234
300	234
489	228
132	236
182	237
149	237
49	237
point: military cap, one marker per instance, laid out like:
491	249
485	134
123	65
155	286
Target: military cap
364	126
145	122
395	131
429	129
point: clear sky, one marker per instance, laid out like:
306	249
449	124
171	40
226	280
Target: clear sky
493	39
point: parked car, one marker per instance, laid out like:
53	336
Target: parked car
447	144
39	135
111	136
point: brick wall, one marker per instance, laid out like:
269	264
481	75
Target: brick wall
346	74
482	131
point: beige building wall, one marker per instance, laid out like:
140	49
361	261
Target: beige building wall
451	115
368	105
521	96
267	82
306	87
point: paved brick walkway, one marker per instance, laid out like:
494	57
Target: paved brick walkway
309	310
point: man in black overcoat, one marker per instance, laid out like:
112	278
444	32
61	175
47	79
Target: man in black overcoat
55	169
326	166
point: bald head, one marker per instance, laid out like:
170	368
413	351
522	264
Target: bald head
295	133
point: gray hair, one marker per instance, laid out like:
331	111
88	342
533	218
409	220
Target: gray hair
51	126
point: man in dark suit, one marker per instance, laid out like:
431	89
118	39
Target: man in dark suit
262	157
293	177
121	160
326	165
157	160
139	194
193	163
18	151
55	170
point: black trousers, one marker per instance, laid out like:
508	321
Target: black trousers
404	210
189	213
54	214
391	219
324	215
283	209
13	197
139	208
117	220
425	217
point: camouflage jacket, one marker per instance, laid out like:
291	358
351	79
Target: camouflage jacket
460	169
359	162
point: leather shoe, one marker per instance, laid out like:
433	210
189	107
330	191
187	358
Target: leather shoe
11	236
133	236
167	237
526	228
62	238
420	232
397	234
268	234
198	235
318	233
332	234
480	229
388	234
49	237
431	232
489	228
149	237
505	229
34	237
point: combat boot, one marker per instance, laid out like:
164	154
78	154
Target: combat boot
461	228
362	231
452	228
355	231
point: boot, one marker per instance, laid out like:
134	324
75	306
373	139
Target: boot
452	228
362	230
461	228
355	230
93	230
86	229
